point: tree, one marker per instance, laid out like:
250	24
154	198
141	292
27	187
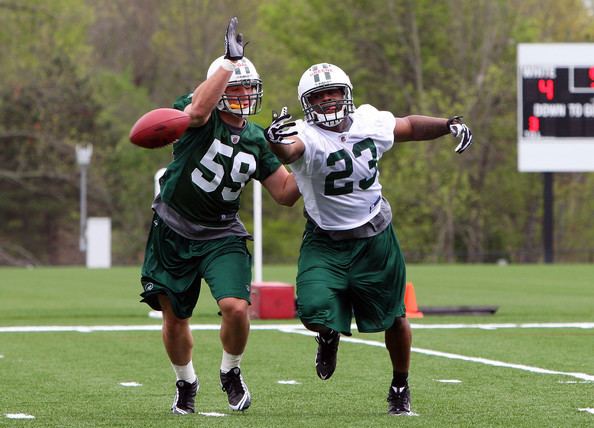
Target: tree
76	71
440	58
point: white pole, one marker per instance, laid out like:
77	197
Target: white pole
82	243
257	231
158	175
83	159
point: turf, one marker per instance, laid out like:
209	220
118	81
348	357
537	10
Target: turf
73	379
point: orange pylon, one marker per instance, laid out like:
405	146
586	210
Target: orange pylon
410	302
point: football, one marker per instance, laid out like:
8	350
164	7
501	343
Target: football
159	127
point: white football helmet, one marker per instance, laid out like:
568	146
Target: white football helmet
245	74
321	77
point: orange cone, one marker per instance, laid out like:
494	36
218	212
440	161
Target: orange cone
410	302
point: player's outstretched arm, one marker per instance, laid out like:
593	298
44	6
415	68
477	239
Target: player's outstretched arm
283	138
207	95
419	128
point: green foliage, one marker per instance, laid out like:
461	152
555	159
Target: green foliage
76	71
121	162
45	108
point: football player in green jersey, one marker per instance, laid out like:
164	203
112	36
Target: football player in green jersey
196	233
350	260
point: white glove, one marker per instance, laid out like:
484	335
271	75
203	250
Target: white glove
459	130
279	129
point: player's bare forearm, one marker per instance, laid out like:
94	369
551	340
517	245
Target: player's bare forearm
419	128
288	153
206	97
282	187
291	192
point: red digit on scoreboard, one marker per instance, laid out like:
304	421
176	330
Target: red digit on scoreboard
591	76
533	124
547	87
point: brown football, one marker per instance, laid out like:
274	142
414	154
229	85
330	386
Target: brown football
159	127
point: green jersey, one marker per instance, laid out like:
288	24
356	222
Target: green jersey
211	166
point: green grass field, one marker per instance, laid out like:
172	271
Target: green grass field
507	373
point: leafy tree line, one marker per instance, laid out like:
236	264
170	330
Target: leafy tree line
79	71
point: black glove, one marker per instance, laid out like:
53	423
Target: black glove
233	41
278	129
459	130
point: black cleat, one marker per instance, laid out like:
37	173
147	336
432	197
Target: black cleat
326	355
237	391
399	401
185	394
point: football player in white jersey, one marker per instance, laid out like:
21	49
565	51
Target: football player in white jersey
350	261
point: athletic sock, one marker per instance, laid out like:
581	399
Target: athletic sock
230	361
399	380
185	372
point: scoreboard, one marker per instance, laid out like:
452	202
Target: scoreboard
557	102
556	107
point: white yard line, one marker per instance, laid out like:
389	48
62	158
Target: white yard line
290	326
496	363
432	353
582	325
19	416
299	329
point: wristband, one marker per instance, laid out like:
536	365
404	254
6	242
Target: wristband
228	65
451	121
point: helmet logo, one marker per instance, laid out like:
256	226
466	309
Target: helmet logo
317	71
326	75
238	70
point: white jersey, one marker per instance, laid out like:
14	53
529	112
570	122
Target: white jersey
338	173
